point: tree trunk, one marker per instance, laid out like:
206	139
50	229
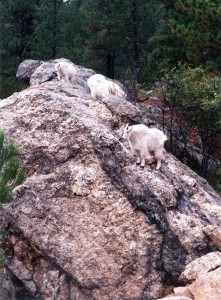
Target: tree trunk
136	59
110	65
54	47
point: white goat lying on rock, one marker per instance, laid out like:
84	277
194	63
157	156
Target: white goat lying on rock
145	143
65	71
100	87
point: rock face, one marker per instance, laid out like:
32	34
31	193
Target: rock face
203	277
201	266
88	223
27	68
214	233
207	287
176	298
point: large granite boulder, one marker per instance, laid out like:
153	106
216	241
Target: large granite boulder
88	223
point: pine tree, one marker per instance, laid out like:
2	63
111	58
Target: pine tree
141	20
11	173
194	100
16	23
49	22
16	35
118	34
73	36
101	22
190	32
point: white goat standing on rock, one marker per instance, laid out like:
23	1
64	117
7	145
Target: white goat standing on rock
66	71
145	143
100	87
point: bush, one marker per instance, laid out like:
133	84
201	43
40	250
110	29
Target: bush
11	173
194	99
9	85
214	178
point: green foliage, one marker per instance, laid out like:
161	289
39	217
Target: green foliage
197	95
9	85
104	30
2	259
50	18
196	23
72	35
16	36
214	178
194	98
16	29
128	39
117	36
11	173
190	32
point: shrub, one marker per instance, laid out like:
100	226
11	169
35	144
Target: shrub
194	99
11	173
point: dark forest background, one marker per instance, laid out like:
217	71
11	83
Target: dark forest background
172	44
131	40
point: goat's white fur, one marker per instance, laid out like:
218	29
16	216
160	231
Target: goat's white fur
100	87
66	71
145	143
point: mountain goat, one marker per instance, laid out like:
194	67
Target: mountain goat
100	87
145	143
66	71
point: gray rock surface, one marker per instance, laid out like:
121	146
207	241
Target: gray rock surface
88	223
201	266
182	291
214	233
176	298
207	287
27	68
